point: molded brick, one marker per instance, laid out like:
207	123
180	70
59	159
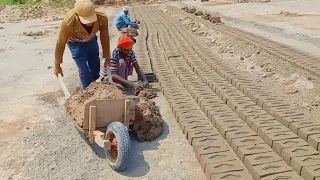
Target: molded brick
231	127
286	121
295	126
251	119
209	149
206	140
264	170
252	149
239	175
263	158
260	124
288	153
314	141
299	163
222	167
311	172
270	138
278	146
201	133
217	158
273	129
283	176
245	132
304	133
239	142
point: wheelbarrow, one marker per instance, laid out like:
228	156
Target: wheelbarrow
106	123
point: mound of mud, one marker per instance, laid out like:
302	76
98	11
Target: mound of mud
75	105
215	20
148	123
198	13
130	32
206	16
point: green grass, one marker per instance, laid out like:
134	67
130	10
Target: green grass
12	2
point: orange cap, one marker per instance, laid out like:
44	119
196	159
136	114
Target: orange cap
125	42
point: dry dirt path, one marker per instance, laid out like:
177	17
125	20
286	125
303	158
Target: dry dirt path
238	127
37	140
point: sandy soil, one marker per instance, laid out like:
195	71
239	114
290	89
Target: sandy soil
38	141
291	22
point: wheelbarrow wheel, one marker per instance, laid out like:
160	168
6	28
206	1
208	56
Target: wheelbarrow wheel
118	155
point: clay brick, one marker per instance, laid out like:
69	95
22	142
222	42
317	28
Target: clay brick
206	140
299	163
198	127
288	153
270	138
201	133
273	129
246	113
258	159
231	127
260	124
240	175
192	121
304	133
239	142
245	132
223	167
252	149
286	121
311	172
221	120
283	176
209	149
295	126
216	158
314	141
278	146
251	119
267	169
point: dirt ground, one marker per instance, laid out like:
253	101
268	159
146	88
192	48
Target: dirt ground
38	141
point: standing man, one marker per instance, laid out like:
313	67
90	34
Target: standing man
78	30
123	20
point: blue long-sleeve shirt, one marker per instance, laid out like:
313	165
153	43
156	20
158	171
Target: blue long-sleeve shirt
123	21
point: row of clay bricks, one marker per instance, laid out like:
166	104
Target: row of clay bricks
244	141
288	145
300	61
215	156
308	130
140	47
248	111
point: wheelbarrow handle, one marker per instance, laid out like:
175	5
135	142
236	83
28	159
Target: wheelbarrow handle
64	87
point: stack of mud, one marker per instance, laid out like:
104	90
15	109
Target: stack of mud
148	123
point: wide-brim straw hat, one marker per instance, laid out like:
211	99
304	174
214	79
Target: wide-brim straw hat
86	11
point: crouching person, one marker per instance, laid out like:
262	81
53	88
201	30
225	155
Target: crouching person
122	62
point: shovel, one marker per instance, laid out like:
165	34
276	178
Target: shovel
62	100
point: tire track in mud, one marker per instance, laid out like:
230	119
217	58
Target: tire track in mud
193	83
295	57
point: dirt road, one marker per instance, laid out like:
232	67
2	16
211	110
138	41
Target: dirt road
37	140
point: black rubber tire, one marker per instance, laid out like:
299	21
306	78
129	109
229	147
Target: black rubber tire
124	146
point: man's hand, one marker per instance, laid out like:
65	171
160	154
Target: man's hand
58	70
145	83
137	89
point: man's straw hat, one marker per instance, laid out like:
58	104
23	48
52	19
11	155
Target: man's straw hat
86	11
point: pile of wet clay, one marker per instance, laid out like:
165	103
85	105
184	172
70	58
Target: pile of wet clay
148	123
75	105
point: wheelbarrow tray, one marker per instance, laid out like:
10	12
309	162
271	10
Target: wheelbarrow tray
100	113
